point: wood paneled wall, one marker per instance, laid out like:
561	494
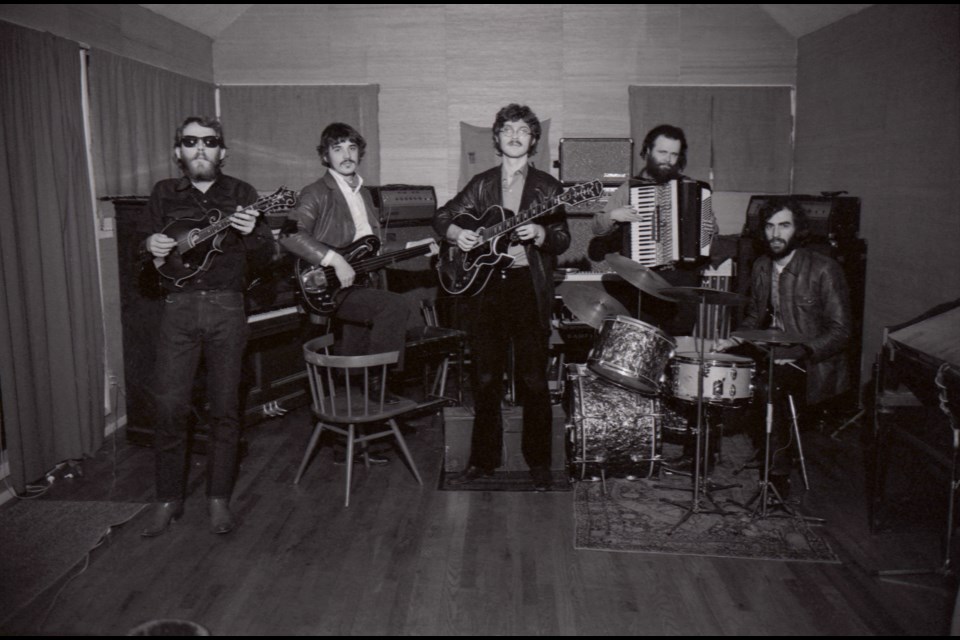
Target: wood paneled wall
878	114
438	65
124	29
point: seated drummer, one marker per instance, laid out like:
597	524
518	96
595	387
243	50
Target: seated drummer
800	292
665	154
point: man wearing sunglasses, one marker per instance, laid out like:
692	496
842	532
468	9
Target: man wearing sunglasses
203	316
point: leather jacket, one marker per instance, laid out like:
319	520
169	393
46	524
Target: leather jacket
323	220
814	302
485	191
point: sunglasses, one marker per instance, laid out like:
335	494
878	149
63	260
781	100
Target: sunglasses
210	142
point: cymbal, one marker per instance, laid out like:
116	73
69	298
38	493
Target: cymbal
590	305
710	296
768	336
647	280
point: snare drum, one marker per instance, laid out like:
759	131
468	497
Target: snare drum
631	353
614	430
727	379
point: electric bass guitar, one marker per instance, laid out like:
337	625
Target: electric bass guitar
199	239
467	272
319	285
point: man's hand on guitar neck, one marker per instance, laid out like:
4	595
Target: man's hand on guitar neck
533	232
244	220
160	245
345	272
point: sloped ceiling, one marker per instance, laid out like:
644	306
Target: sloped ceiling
797	19
208	19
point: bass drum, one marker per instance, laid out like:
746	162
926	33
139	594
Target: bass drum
614	431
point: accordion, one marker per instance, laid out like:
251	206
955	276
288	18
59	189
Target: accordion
677	225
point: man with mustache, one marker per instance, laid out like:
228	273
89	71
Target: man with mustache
515	305
203	316
800	292
332	213
664	153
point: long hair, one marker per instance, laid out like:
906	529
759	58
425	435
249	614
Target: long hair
203	121
775	205
336	133
511	113
667	131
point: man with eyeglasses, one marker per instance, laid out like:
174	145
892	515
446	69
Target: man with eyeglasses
203	315
515	305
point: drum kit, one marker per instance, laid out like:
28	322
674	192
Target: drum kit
634	380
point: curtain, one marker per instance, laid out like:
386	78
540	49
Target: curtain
136	109
752	139
51	336
273	131
744	135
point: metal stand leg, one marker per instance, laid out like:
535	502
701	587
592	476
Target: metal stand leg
695	505
796	433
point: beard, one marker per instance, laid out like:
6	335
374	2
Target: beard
661	172
779	249
201	168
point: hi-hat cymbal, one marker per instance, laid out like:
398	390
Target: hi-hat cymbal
709	296
589	304
768	336
638	275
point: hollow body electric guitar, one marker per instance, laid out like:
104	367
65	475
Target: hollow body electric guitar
319	285
199	239
467	272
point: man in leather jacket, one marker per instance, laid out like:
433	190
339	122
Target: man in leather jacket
804	293
516	303
333	212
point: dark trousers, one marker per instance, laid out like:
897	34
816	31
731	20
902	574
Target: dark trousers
211	324
506	312
375	321
788	381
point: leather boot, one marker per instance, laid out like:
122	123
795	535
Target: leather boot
221	519
162	515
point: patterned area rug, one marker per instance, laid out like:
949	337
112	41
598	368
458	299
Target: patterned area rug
634	518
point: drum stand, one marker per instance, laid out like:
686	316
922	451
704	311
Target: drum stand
703	432
765	486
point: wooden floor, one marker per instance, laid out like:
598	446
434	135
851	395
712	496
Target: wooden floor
409	560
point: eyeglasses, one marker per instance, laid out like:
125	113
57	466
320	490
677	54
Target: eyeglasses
522	132
210	142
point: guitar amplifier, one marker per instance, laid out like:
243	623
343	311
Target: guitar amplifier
404	205
830	217
609	160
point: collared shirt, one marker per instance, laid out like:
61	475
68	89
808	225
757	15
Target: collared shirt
512	186
177	198
358	211
777	322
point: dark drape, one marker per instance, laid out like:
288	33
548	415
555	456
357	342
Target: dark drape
742	134
51	336
135	109
273	131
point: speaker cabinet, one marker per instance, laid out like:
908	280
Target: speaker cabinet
609	160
